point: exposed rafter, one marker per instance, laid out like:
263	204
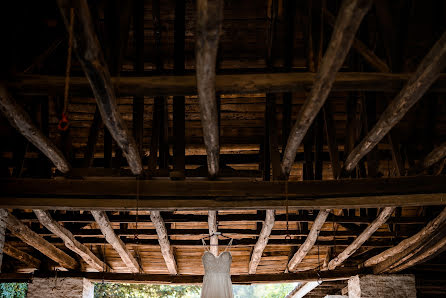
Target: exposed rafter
212	223
110	235
434	156
163	240
347	23
90	56
426	74
209	20
25	258
70	242
262	241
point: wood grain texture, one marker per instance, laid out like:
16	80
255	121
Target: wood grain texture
24	257
3	224
163	240
212	223
434	156
262	241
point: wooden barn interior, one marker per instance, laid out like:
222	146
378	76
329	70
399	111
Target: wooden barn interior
306	137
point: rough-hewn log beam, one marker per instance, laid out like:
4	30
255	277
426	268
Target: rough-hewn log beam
302	289
163	240
262	241
212	223
25	258
109	234
20	120
209	20
368	232
434	156
70	242
309	241
32	239
347	23
427	72
91	58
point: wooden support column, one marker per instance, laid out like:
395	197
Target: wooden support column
25	258
111	237
32	239
363	237
70	242
209	20
426	74
91	58
213	228
262	241
20	120
163	240
347	23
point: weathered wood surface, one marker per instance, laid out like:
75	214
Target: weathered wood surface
426	74
32	239
70	242
347	23
91	58
166	85
209	20
420	237
3	224
212	223
109	234
163	239
309	241
25	258
20	120
302	289
383	216
262	241
119	194
434	156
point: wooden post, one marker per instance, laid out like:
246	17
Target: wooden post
163	240
212	222
262	241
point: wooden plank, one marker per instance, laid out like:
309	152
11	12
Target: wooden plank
347	23
212	223
309	241
20	120
262	241
163	240
32	239
109	234
425	75
70	242
365	235
91	58
212	195
25	258
209	20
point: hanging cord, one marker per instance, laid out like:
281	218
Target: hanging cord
63	123
287	236
319	280
229	245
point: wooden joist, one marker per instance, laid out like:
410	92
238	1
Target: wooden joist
302	289
212	223
309	241
110	235
163	240
91	58
20	120
32	239
120	194
209	20
262	241
70	242
25	258
365	235
426	74
347	23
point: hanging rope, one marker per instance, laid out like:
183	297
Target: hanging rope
63	123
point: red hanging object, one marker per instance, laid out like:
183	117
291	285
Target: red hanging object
63	123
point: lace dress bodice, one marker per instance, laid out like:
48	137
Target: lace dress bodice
217	278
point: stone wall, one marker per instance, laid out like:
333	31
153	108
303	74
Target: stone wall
384	286
60	288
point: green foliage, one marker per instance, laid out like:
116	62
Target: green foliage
263	290
141	290
13	290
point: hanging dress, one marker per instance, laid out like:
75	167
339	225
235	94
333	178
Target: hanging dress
217	277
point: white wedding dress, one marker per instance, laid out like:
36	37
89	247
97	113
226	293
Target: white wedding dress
217	277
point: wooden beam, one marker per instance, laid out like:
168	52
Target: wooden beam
420	237
120	194
434	156
209	20
262	241
25	258
163	240
309	241
303	289
213	228
109	234
347	23
32	239
20	120
91	58
365	235
425	75
3	220
166	85
70	242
